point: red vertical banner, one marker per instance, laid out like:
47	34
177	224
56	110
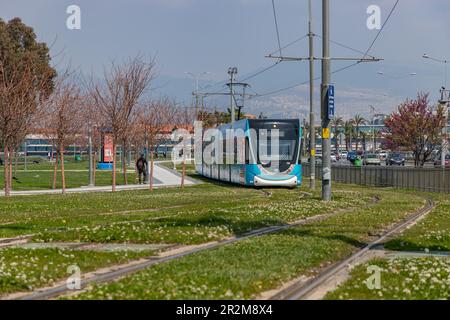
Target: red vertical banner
107	148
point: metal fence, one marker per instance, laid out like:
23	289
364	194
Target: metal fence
422	179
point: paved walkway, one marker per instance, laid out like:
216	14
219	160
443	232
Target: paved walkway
163	177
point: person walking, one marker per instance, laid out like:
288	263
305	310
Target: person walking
142	168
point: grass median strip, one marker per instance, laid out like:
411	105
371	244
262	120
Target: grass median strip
400	279
432	233
30	214
23	270
250	267
408	278
211	223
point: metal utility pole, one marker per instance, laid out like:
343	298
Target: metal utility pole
327	90
239	103
91	160
445	100
232	71
312	129
326	75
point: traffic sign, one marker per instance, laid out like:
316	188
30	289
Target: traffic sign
330	102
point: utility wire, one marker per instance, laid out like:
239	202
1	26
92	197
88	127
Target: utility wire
276	26
345	46
366	53
289	44
306	82
382	28
260	72
256	73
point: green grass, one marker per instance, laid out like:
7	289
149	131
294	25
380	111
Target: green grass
23	270
400	279
245	269
29	214
41	180
208	222
40	176
431	233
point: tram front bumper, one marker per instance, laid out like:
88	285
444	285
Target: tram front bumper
263	182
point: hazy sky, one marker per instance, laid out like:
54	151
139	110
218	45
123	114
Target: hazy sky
211	35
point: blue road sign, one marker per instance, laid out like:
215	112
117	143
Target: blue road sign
330	106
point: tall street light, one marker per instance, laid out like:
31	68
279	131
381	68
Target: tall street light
412	74
372	109
444	61
196	78
445	100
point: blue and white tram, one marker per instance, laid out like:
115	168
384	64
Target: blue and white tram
260	168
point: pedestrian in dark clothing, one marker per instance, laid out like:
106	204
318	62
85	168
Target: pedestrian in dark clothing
142	168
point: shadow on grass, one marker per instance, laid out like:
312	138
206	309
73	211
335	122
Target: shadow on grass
236	227
402	245
315	233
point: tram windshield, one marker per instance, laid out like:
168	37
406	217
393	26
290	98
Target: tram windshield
273	157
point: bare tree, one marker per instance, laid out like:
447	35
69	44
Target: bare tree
22	98
64	120
119	95
184	119
154	119
93	121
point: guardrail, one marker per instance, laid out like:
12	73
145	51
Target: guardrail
421	179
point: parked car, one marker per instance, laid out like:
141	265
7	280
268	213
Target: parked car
333	158
351	156
344	154
383	155
437	161
371	159
395	159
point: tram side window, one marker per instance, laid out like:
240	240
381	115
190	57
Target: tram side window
300	151
224	150
247	151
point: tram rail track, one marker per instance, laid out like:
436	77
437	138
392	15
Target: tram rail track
119	272
5	242
302	289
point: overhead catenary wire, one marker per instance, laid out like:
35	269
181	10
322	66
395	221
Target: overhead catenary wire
365	54
289	44
381	29
345	46
276	26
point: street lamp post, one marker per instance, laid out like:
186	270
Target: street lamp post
412	74
91	160
372	108
445	100
196	78
25	155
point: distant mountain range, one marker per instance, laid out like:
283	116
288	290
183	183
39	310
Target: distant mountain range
287	104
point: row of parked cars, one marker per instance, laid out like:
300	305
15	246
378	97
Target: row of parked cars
389	158
376	159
